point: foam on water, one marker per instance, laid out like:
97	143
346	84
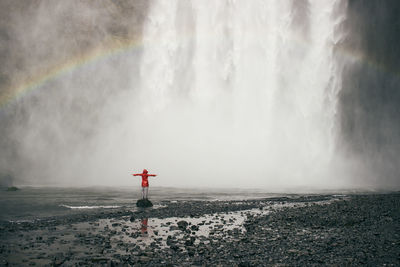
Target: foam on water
89	207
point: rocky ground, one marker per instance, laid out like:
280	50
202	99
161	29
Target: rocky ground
313	230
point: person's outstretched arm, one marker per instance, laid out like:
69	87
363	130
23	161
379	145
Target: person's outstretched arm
152	174
137	174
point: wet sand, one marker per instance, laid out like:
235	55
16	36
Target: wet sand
308	230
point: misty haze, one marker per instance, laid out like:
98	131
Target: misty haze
207	94
257	108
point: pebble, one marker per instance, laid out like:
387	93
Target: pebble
356	230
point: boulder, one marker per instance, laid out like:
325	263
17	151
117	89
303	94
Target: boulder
12	188
144	203
182	225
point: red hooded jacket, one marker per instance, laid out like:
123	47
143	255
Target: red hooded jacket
145	177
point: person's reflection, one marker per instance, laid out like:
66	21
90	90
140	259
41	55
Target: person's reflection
144	226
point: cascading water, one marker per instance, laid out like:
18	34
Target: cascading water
239	93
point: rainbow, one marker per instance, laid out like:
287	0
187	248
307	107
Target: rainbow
106	49
116	46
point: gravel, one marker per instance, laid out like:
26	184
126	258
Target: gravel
300	231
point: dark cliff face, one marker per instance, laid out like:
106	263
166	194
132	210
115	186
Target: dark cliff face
370	98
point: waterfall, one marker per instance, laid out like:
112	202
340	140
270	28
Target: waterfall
245	90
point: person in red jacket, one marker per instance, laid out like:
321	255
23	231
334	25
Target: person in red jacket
145	182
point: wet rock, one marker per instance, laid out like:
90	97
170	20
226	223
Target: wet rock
12	188
194	228
191	251
58	262
174	247
99	260
144	203
144	259
182	224
189	242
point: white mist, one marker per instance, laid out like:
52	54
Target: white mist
235	93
